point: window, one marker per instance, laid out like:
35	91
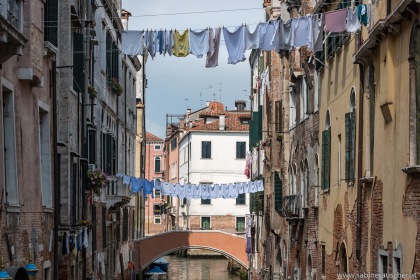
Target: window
78	63
383	264
205	223
205	149
240	224
157	219
205	201
157	147
339	159
240	200
350	146
278	192
326	155
323	259
173	144
397	262
125	224
157	164
104	231
51	22
292	113
303	99
9	148
157	194
173	170
92	145
108	153
157	209
112	58
240	150
279	116
45	157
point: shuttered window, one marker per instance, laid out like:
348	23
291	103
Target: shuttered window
205	149
278	192
350	146
78	61
103	227
125	224
118	216
51	22
112	58
157	164
326	159
109	156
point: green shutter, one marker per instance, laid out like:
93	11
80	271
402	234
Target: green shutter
326	157
78	61
51	22
108	55
352	145
278	192
259	124
348	145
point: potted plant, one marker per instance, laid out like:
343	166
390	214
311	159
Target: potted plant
117	87
92	92
97	180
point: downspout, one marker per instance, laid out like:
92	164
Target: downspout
56	169
188	177
359	167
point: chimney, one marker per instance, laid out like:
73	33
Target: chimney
124	18
222	119
188	111
240	105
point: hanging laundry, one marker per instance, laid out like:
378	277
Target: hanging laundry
353	23
199	42
335	21
132	42
317	44
269	35
212	59
196	191
212	191
160	41
126	179
252	40
235	44
362	14
65	250
85	238
150	41
148	187
303	31
136	184
286	35
188	191
219	191
181	47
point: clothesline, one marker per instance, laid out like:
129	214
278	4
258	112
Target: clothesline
191	191
272	35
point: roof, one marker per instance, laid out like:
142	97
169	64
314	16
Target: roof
152	138
232	119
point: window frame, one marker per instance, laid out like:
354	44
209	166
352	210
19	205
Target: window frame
201	222
241	200
240	149
206	150
236	224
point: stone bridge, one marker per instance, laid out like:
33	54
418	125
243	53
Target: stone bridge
149	249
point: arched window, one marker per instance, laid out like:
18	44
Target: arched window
302	185
326	153
157	164
307	189
350	121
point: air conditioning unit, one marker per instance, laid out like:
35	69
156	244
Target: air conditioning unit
91	167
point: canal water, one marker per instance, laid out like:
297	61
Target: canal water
182	268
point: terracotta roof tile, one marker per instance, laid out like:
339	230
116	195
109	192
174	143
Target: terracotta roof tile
151	137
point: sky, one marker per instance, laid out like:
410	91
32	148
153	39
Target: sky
177	83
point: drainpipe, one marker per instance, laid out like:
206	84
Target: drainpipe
359	167
56	170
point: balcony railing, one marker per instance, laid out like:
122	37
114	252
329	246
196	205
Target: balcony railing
292	206
117	194
11	26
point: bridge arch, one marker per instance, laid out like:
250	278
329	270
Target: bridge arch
149	249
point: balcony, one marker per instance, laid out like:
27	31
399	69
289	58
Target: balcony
12	40
292	207
117	194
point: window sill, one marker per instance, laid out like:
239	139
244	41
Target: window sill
13	208
48	209
411	169
324	191
365	180
206	158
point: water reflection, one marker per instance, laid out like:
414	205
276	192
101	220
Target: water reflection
198	269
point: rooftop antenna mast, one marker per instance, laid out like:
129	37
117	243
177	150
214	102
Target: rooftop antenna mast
220	92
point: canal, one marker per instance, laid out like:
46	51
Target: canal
182	268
